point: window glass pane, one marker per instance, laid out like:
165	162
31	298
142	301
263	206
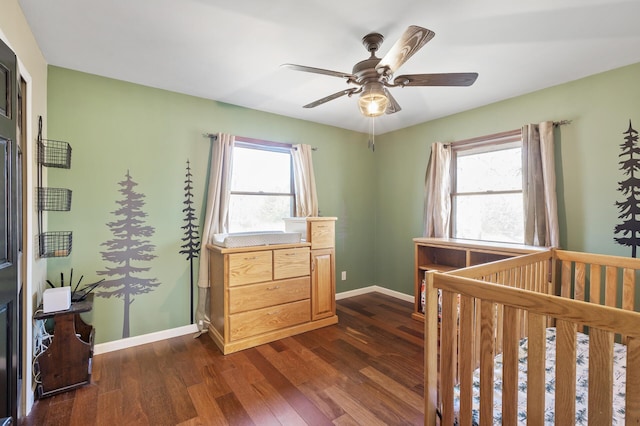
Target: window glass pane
258	212
489	171
258	170
494	217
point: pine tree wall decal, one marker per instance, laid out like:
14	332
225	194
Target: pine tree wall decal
630	187
191	246
129	247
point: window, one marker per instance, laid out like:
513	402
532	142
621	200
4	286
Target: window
487	201
262	189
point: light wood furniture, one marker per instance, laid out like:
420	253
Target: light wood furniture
449	254
66	363
489	308
264	293
321	235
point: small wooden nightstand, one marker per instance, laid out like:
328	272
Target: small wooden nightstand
66	363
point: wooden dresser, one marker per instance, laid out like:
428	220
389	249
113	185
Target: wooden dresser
264	293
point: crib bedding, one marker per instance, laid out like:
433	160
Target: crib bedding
582	377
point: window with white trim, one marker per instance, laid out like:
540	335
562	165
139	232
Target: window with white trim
487	199
262	188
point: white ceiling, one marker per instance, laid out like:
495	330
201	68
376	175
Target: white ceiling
231	51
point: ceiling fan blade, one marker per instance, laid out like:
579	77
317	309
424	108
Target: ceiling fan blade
332	97
449	79
393	105
411	41
319	71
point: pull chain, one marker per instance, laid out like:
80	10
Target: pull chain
372	138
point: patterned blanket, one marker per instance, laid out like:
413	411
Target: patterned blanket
582	378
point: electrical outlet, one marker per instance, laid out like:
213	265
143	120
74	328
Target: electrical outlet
344	275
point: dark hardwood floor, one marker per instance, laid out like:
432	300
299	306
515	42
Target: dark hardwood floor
367	370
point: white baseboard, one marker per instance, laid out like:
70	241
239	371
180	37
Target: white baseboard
130	342
375	289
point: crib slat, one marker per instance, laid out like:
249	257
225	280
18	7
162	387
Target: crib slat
565	394
628	289
578	293
628	292
510	366
430	351
476	341
600	377
594	283
632	411
487	317
565	284
523	313
611	280
448	350
466	364
535	369
518	277
500	279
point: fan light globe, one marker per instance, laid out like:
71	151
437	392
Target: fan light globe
373	101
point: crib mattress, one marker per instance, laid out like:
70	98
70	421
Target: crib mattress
582	378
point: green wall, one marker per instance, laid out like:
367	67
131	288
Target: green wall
587	150
115	127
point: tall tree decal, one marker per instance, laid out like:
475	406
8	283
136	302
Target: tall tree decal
128	248
191	240
630	188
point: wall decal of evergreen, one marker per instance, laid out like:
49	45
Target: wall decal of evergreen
129	247
630	188
191	240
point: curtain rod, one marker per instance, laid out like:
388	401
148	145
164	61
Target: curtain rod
214	137
502	136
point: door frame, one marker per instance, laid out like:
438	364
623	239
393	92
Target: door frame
26	383
33	270
30	292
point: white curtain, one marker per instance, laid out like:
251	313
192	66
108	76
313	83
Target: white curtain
304	181
216	217
437	192
539	185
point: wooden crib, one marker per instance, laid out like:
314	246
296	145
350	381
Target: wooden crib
488	310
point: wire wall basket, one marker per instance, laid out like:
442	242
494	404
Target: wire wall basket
54	199
55	244
55	153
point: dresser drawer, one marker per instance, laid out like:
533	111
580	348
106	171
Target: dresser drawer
289	263
250	267
321	234
252	323
256	296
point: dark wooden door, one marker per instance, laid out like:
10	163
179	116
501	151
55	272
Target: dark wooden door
9	231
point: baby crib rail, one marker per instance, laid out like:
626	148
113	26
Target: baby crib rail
487	309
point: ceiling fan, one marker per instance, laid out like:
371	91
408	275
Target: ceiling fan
373	76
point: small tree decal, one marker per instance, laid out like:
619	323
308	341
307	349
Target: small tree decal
630	187
129	247
191	240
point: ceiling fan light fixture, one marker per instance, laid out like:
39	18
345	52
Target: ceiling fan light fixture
373	101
